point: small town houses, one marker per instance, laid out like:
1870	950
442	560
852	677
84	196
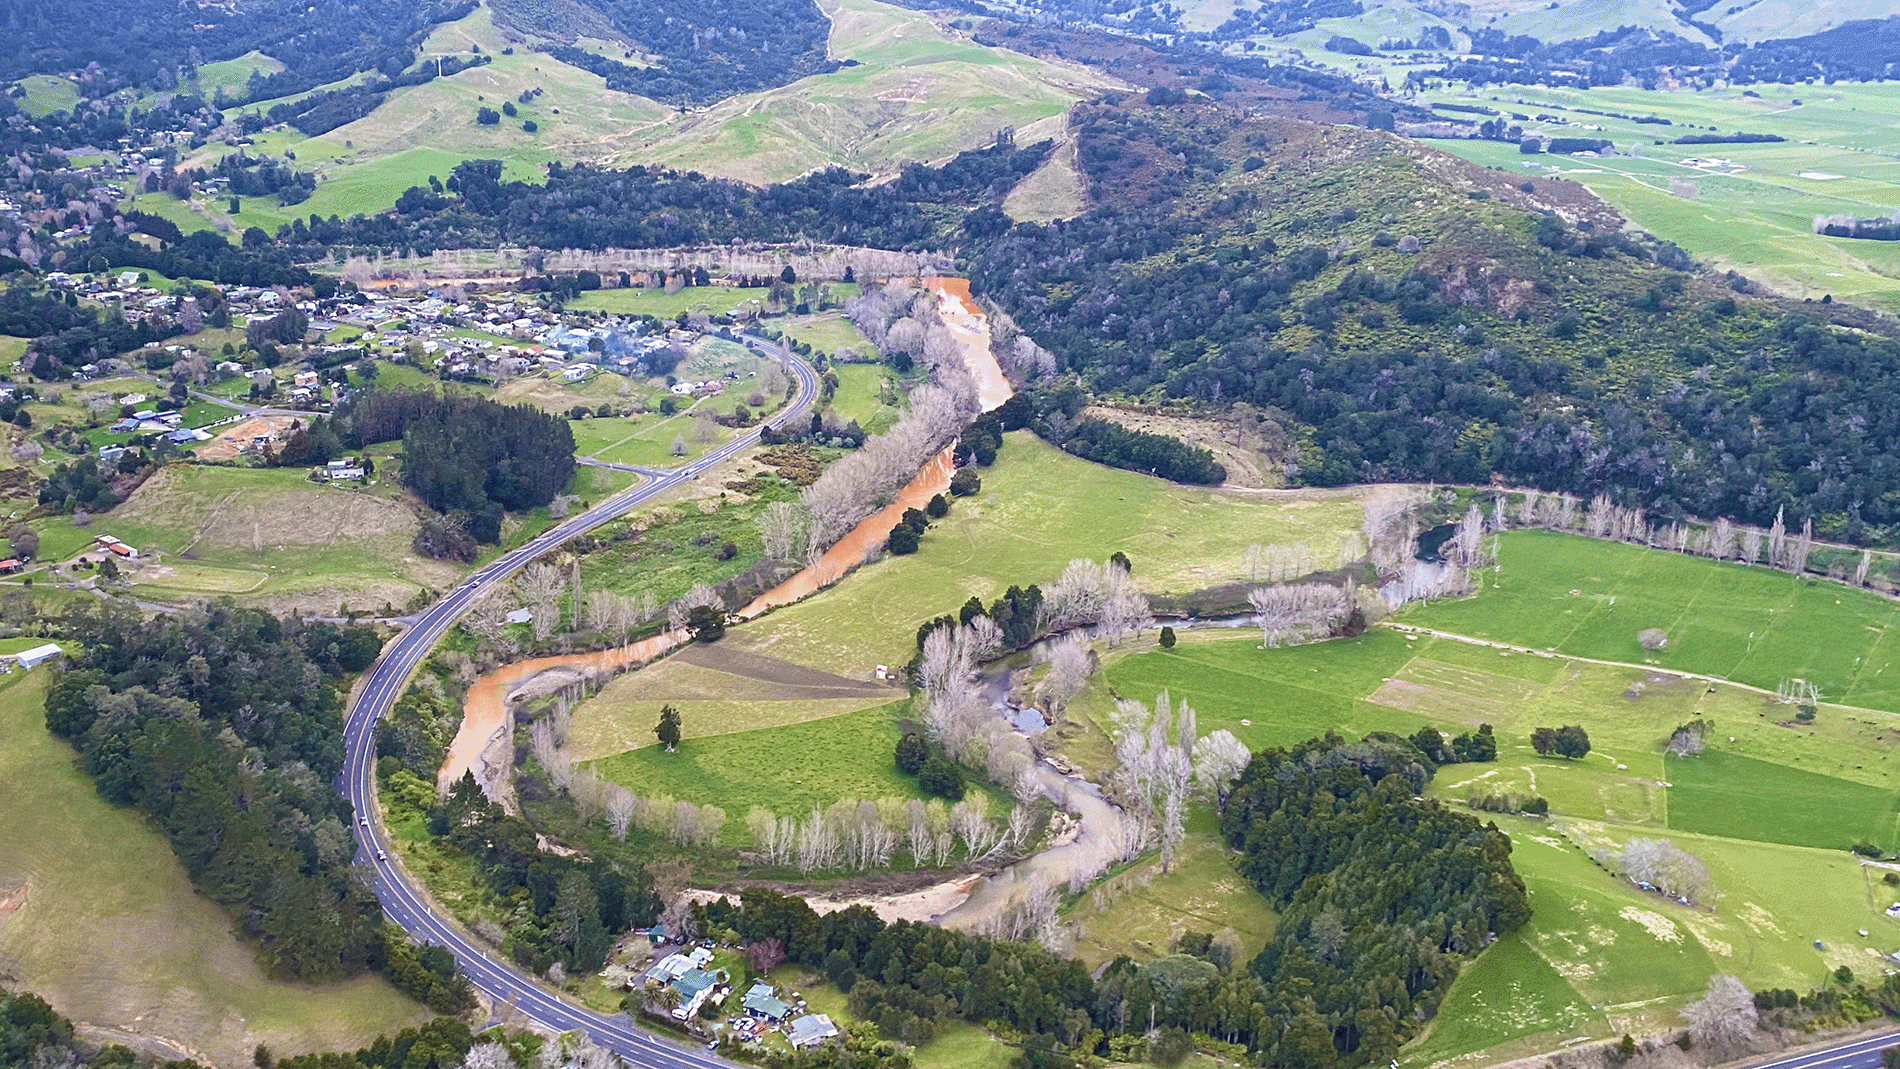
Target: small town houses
683	983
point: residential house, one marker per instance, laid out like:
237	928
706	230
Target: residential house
10	566
576	373
347	470
694	988
762	1003
809	1030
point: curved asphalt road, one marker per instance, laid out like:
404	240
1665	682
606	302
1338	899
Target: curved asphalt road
385	682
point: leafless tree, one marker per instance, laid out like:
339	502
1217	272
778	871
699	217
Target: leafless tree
621	804
1219	759
1777	540
1687	742
541	584
1721	539
1652	638
1298	612
1751	546
487	1056
782	530
1860	570
1666	867
1801	547
1466	546
1798	692
679	445
1724	1018
1070	664
677	611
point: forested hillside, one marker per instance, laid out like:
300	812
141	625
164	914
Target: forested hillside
224	727
150	43
1399	316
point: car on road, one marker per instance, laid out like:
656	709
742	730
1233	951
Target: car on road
364	821
380	856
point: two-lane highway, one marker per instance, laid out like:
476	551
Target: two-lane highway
385	682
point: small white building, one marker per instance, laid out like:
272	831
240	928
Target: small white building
38	655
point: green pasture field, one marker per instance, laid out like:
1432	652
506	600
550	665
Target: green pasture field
105	897
713	300
830	331
427	129
862	392
839	756
679	545
556	395
320	546
1142	913
1756	219
233	75
1509	993
917	94
46	94
1756	626
1843	769
1038	509
1739	797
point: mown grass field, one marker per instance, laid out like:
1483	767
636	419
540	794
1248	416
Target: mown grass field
97	916
786	768
1756	626
1038	509
1756	219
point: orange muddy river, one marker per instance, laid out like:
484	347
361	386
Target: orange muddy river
485	718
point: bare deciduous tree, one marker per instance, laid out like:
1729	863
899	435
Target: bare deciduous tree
1666	867
1219	759
782	530
1652	638
1724	1018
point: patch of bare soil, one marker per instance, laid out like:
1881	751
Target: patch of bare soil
737	662
232	438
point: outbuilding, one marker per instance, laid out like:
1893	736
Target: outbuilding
38	655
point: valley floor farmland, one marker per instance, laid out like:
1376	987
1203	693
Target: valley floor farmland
1746	207
97	916
1771	807
1038	509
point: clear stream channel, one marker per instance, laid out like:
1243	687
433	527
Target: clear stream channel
482	743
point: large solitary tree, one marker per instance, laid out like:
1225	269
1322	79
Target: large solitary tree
668	729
